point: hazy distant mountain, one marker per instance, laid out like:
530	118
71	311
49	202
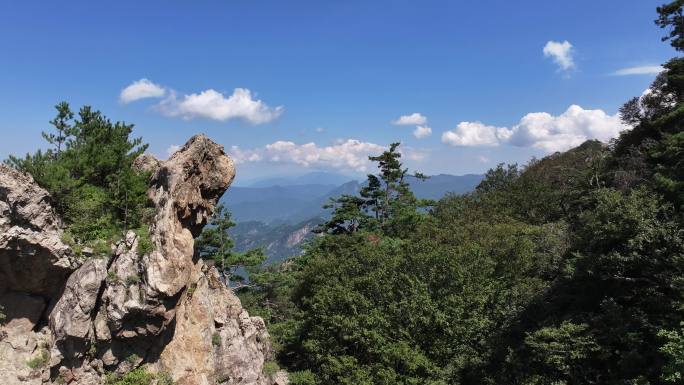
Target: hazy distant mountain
319	177
274	203
294	203
438	185
278	241
280	217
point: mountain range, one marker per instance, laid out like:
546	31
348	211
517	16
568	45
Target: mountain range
279	217
291	200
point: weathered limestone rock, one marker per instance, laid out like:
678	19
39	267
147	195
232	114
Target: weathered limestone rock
33	259
71	319
34	267
17	348
185	189
215	340
163	308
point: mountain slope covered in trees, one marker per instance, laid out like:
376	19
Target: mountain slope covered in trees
568	270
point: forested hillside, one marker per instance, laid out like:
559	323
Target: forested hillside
566	270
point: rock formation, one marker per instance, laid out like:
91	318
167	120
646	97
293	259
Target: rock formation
78	319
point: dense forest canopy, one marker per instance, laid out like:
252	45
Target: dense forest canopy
567	270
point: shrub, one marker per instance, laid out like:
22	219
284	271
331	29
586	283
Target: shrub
305	377
145	245
92	350
112	277
191	289
39	361
164	378
133	358
132	279
216	339
271	368
139	376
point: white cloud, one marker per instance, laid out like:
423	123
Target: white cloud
141	89
408	120
561	53
475	134
414	154
541	130
640	70
211	104
417	119
422	131
320	129
172	149
244	156
350	154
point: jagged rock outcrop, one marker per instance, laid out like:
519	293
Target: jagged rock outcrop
156	306
34	267
33	258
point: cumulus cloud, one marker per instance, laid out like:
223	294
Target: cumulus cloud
350	154
347	155
561	53
640	70
541	130
141	89
409	120
211	104
208	104
415	119
475	134
422	131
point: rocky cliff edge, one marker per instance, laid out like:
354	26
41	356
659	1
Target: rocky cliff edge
73	319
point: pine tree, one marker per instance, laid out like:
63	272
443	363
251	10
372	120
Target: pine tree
215	243
386	203
61	124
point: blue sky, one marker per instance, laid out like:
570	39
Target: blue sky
323	81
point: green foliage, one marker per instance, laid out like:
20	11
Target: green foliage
88	173
215	243
2	315
271	368
112	277
216	339
567	270
92	348
386	203
560	352
673	371
40	360
670	16
139	376
164	378
132	280
133	358
145	244
304	377
192	288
